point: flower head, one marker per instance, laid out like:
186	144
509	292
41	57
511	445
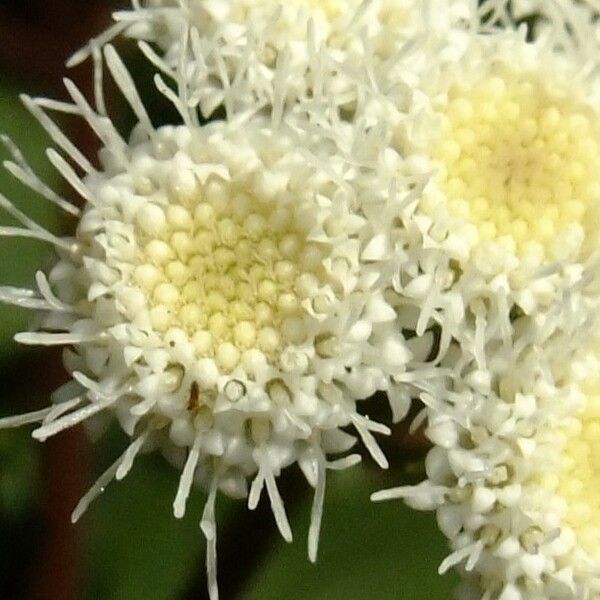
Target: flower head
500	129
244	54
507	128
511	142
224	295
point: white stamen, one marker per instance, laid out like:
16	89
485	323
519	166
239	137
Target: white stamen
346	462
24	419
301	425
142	408
36	338
58	106
255	490
23	298
391	494
125	83
130	454
173	98
96	389
458	556
99	80
70	420
127	16
419	419
362	426
63	167
82	54
316	514
277	506
155	59
102	126
279	86
48	294
19	215
58	137
95	490
187	478
21	170
60	409
43	236
208	524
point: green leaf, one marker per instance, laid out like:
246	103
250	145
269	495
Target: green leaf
20	258
19	473
379	551
138	550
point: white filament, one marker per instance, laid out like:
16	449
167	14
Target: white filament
70	420
23	298
24	419
35	338
208	524
316	514
63	167
58	137
125	83
362	426
187	478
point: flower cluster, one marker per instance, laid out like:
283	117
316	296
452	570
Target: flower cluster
227	293
222	295
398	196
506	120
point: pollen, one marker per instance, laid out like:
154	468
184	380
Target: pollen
520	160
227	269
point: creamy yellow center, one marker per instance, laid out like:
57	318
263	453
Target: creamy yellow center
578	478
518	161
331	8
228	269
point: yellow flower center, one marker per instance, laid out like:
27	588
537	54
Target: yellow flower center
519	160
228	269
578	479
331	8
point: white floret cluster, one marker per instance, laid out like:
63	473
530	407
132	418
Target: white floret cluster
506	120
398	196
513	473
228	291
265	54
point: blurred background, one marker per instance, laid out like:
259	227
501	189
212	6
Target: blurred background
129	546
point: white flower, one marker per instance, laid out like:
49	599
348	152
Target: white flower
508	128
252	54
224	295
502	132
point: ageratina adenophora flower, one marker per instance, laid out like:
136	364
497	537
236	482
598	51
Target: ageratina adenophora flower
509	130
245	54
514	199
503	123
223	295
